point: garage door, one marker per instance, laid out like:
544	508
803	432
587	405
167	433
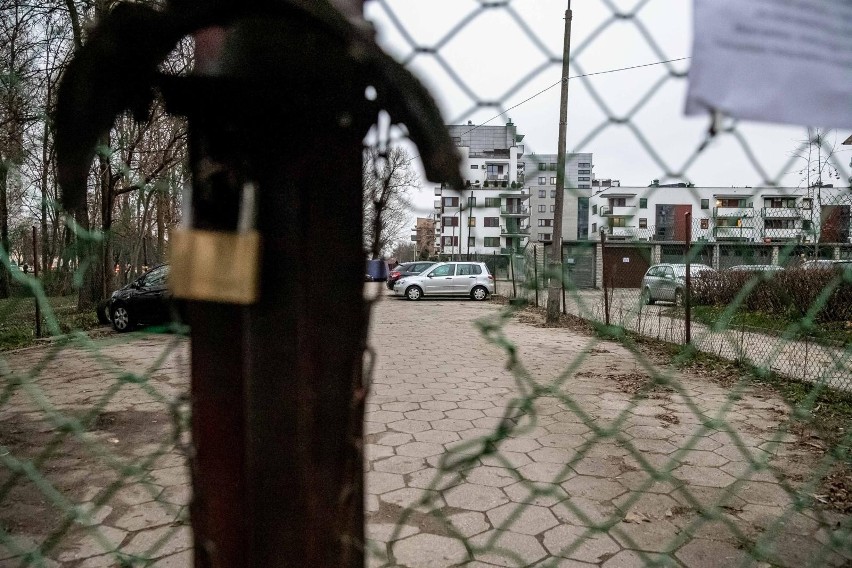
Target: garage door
626	265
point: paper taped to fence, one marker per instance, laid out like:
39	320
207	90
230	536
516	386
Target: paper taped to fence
788	62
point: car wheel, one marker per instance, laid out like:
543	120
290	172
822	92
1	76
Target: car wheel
121	320
102	311
646	297
479	293
413	293
678	299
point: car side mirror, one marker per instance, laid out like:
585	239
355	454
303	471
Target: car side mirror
429	276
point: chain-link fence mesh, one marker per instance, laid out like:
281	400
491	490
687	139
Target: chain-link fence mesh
508	444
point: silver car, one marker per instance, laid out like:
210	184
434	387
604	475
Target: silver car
448	279
668	281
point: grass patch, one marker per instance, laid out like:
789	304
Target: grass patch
17	320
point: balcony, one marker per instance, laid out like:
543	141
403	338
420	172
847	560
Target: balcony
437	204
497	177
738	212
624	232
781	213
514	211
738	233
782	234
516	194
511	250
438	191
618	211
514	231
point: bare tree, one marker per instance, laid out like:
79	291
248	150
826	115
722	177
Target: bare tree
388	178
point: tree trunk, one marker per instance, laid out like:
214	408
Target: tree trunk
4	228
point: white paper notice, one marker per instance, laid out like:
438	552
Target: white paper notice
787	61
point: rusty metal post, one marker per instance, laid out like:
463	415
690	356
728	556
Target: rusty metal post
604	275
512	274
687	296
35	273
535	272
562	268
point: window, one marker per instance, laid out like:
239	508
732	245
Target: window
492	221
492	242
553	208
444	270
553	181
552	193
643	223
594	227
542	193
779	223
594	209
542	208
705	204
471	222
471	202
807	203
545	222
585	165
705	223
806	225
156	277
542	180
552	167
471	241
542	167
451	202
779	202
618	202
584	172
544	236
643	203
492	202
584	178
450	221
731	203
474	166
450	241
468	269
583	186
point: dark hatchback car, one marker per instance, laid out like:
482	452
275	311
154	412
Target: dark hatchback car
406	269
146	300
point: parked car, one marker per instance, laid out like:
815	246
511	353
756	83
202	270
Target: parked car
667	281
470	279
406	269
826	264
146	300
377	270
755	268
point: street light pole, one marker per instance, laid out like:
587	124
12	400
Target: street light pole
555	285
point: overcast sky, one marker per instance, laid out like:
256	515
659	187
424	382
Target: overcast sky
497	60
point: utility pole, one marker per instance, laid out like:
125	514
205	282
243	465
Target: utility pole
554	284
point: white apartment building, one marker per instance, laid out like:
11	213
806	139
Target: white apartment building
491	213
540	181
722	214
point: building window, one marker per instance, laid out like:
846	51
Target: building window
643	203
643	223
553	208
806	225
552	167
542	167
552	193
474	166
780	224
492	221
594	228
584	186
542	208
594	209
451	202
542	180
545	222
584	178
553	181
471	202
780	202
492	202
450	221
807	203
492	242
450	241
544	236
542	193
705	204
585	165
584	172
471	241
705	223
471	222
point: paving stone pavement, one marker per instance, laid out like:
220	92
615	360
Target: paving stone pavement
566	484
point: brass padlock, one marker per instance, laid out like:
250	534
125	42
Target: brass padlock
217	266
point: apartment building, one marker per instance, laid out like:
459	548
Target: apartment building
722	214
540	180
491	213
